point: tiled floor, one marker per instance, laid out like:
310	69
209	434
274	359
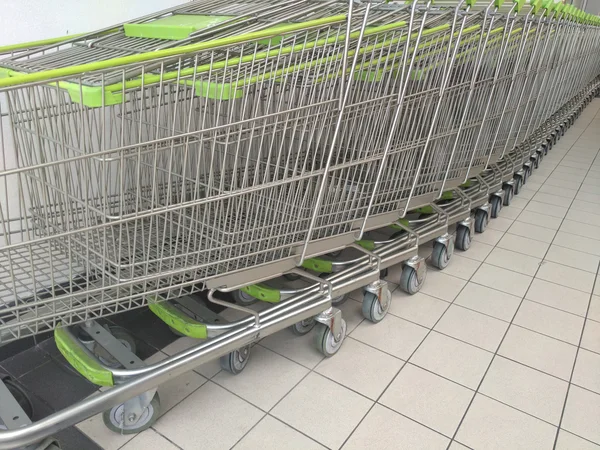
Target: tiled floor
501	350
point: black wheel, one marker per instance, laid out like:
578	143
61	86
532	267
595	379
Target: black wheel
243	298
508	194
235	361
374	310
326	342
409	280
124	337
518	184
540	157
463	238
114	420
303	327
20	396
535	162
441	255
496	206
481	221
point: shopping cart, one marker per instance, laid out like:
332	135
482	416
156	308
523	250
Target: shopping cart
147	177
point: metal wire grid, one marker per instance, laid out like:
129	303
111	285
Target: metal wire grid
156	193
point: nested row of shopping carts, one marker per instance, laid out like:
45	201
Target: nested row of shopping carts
283	152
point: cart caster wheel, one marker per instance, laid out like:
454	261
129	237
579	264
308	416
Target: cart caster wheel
326	342
540	157
544	149
481	221
508	194
518	185
441	255
235	361
372	308
535	163
304	326
496	206
20	396
124	337
526	173
243	298
114	420
463	238
409	280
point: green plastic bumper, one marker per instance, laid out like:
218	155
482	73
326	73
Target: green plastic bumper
82	362
178	320
263	293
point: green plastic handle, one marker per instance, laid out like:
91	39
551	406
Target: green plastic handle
149	56
535	6
498	3
519	5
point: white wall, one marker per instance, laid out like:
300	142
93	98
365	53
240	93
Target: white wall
29	20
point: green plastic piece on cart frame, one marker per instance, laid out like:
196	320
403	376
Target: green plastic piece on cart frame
470	2
519	5
366	244
535	6
559	7
498	3
81	361
263	293
175	27
404	222
318	265
179	320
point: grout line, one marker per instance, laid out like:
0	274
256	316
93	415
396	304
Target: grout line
500	344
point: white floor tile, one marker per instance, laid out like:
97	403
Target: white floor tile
538	351
523	245
461	267
502	279
393	335
587	197
573	258
579	243
557	296
452	359
491	425
583	206
585	216
188	423
591	336
567	184
568	441
297	348
531	231
441	285
517	262
489	236
582	414
323	410
541	220
488	301
207	370
500	224
265	380
428	399
549	321
149	440
587	370
361	368
478	251
551	199
419	308
472	327
559	191
594	311
580	229
397	432
544	208
271	434
526	389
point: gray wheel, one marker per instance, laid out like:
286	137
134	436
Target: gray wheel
243	298
496	206
481	220
326	342
373	309
508	194
463	238
518	184
124	337
441	255
235	361
337	301
409	280
114	420
303	327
